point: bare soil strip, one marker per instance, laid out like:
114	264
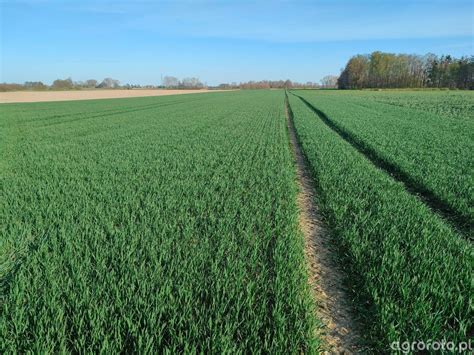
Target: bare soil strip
339	333
42	96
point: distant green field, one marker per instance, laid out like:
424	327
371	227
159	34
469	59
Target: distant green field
170	224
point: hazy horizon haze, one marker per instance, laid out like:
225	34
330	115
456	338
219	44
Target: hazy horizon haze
139	42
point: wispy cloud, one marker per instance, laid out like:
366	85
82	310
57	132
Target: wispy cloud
220	40
279	21
295	21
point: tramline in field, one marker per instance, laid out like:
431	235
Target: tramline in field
410	269
430	152
151	224
170	224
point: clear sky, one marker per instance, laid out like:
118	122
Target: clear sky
219	41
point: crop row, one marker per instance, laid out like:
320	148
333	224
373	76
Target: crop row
411	273
170	229
430	153
445	104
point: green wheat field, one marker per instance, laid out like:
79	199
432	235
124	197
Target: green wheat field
170	224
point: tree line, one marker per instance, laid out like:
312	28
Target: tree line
64	84
268	84
389	70
168	82
171	82
69	84
375	70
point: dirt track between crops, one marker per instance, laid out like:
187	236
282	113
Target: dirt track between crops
43	96
339	332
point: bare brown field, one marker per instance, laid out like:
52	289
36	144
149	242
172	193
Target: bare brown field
41	96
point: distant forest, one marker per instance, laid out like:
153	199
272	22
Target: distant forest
388	70
376	70
168	82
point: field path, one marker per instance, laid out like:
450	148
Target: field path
333	308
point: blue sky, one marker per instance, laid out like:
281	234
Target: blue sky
219	41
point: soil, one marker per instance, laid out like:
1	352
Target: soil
40	96
339	333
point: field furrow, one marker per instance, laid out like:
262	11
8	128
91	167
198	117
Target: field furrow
431	154
167	229
409	271
253	221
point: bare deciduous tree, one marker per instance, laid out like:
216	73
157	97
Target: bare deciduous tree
191	83
34	85
63	84
109	83
329	82
91	83
170	82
